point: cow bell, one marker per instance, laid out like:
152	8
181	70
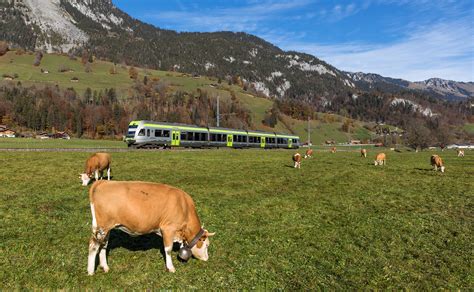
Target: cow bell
185	253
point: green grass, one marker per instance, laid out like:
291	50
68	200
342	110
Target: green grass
339	222
59	143
469	127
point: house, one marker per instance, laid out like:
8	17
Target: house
7	133
355	142
60	135
74	79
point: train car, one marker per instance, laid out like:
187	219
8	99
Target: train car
149	134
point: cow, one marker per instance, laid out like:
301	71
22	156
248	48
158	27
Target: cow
333	150
309	153
363	152
380	159
460	153
297	160
437	162
137	208
96	164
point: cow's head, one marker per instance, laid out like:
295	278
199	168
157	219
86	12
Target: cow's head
85	178
199	250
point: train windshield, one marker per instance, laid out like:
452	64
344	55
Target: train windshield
131	131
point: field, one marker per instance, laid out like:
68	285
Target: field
339	222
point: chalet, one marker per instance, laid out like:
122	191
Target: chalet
74	79
6	133
355	142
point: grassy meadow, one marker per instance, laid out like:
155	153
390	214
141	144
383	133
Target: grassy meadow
339	222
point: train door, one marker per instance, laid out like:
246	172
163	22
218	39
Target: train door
175	138
290	142
230	140
262	142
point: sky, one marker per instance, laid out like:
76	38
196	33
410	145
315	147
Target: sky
410	39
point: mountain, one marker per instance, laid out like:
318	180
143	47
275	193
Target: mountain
97	27
108	33
435	87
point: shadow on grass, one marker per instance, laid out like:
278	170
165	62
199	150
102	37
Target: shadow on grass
144	242
290	166
423	169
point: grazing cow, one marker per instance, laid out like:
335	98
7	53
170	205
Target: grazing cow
363	152
380	159
96	164
437	162
333	150
460	153
140	208
309	153
297	160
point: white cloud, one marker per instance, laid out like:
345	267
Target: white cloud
245	18
445	50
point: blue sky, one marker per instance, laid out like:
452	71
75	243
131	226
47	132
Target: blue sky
410	39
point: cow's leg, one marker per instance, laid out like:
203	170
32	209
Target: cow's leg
168	236
103	254
108	173
96	172
101	174
93	248
436	167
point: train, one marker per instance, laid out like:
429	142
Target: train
150	134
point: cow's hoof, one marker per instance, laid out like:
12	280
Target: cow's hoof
171	270
106	269
90	273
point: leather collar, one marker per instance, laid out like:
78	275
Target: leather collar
196	238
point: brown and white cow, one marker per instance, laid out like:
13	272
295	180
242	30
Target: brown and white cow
380	159
309	153
333	150
138	208
297	160
363	152
437	162
95	165
460	153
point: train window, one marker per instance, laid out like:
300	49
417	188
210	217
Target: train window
203	137
190	136
157	133
142	132
183	135
166	133
148	132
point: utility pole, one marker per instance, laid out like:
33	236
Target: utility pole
309	133
217	116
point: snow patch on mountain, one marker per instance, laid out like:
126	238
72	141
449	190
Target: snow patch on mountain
54	21
427	112
253	52
283	88
260	87
304	66
229	59
208	66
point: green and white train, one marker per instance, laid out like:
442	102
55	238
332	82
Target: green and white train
149	134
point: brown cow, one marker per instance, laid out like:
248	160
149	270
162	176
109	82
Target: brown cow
96	164
297	160
363	152
333	150
140	208
380	159
309	153
437	162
